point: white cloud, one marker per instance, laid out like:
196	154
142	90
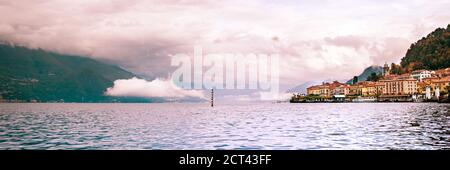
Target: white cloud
157	88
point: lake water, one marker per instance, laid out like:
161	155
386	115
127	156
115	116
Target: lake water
244	126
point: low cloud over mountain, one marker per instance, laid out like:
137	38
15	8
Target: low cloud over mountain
157	88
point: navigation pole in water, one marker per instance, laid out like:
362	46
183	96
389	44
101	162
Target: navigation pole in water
212	97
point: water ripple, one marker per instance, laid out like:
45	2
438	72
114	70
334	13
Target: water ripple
245	126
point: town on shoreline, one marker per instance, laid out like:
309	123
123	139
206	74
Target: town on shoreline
417	86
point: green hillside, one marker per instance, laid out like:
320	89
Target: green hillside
431	52
28	74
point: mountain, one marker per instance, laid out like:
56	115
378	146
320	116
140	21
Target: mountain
367	72
430	52
302	87
35	74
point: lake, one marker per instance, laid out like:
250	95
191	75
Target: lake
240	126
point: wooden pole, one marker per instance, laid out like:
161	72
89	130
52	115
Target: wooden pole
212	97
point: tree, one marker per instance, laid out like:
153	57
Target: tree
430	52
374	77
397	69
355	79
448	91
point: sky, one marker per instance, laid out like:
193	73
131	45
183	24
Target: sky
316	40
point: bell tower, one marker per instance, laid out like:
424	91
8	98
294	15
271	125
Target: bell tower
386	69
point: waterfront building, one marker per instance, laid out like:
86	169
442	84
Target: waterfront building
415	86
355	90
339	97
437	92
365	88
369	89
386	69
429	80
320	90
421	87
441	83
379	86
421	74
397	77
337	88
324	90
328	90
313	90
428	92
442	72
399	86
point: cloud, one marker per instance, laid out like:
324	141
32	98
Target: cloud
6	29
378	50
349	41
141	35
157	88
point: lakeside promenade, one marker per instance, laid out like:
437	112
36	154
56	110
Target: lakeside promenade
417	86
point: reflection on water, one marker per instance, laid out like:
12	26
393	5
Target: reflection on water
249	126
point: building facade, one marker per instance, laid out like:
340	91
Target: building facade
421	74
328	89
420	84
399	87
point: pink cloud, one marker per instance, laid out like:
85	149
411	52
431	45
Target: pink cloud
159	88
141	35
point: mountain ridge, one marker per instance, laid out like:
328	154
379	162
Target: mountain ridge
38	75
367	72
431	52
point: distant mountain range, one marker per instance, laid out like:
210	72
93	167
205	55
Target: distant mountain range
34	74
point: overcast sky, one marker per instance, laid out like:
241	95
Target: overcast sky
317	39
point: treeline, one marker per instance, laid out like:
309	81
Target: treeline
38	75
431	52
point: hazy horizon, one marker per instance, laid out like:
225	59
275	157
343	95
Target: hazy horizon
316	40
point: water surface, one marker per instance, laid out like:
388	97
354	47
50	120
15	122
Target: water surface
244	126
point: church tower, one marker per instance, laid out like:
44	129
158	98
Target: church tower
386	69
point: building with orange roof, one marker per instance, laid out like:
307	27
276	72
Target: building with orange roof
321	90
421	87
442	84
405	87
442	72
365	88
337	88
399	86
379	88
328	90
444	81
313	90
421	74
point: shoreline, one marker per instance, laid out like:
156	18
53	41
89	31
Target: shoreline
445	101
